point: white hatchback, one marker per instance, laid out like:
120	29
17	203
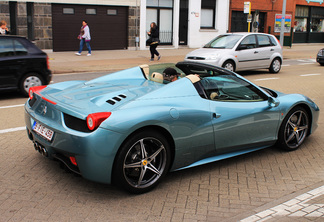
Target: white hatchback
241	51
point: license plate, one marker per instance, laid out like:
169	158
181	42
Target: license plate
43	131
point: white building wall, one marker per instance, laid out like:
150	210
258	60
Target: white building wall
198	37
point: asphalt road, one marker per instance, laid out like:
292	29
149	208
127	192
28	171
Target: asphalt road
33	188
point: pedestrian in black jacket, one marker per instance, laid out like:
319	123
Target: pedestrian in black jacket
154	41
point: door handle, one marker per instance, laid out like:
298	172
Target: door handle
216	115
271	50
255	52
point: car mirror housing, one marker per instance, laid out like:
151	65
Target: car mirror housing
272	102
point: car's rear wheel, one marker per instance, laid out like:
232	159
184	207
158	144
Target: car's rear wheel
30	80
275	66
229	65
142	162
294	129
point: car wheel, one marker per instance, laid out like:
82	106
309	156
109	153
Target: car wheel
229	65
322	64
275	66
142	162
30	80
294	129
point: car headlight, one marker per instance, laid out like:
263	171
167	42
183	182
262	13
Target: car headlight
320	52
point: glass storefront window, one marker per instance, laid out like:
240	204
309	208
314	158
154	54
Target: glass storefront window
317	25
300	24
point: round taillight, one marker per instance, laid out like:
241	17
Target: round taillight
34	89
95	119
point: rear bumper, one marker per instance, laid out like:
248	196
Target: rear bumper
94	152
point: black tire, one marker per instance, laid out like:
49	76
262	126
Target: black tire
294	129
30	80
142	161
229	65
322	64
275	65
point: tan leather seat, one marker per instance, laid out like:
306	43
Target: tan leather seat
213	96
193	78
146	70
157	77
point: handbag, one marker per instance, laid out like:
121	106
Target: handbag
149	41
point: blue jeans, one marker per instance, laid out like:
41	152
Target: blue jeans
82	44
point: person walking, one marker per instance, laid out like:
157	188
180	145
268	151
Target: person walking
84	37
154	41
3	28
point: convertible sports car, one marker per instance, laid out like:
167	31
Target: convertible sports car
130	127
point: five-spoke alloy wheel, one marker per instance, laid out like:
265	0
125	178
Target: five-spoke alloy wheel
294	129
142	161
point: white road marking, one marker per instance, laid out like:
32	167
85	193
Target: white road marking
315	74
265	79
286	65
308	63
12	129
13	106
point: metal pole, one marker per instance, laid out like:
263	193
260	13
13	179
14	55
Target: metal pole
283	17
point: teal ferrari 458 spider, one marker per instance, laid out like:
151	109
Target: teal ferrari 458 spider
133	126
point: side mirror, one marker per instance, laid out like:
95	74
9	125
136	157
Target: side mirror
273	102
241	47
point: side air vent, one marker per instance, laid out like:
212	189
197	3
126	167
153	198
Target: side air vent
115	99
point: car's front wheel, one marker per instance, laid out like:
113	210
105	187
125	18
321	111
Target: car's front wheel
142	162
294	129
275	66
30	80
229	65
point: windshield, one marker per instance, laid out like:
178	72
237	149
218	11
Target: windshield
223	42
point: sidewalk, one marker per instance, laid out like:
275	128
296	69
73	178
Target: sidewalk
113	60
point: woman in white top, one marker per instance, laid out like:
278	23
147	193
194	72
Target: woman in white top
84	38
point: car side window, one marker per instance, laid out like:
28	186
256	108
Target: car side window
6	48
227	88
19	48
248	42
263	41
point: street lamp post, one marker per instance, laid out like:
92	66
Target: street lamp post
283	17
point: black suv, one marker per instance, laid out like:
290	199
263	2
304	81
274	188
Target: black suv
22	64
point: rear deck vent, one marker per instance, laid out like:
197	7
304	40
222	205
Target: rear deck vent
111	102
115	99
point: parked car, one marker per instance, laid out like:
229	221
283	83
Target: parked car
320	57
22	65
130	129
241	51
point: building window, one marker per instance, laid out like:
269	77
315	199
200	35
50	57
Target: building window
68	11
208	13
111	11
301	15
91	11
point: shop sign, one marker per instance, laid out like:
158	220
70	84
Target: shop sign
319	1
277	27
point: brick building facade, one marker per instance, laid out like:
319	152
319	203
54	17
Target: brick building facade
307	18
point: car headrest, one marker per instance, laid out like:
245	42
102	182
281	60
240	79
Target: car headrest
193	78
157	77
146	70
213	95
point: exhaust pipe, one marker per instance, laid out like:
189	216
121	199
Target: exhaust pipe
42	150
